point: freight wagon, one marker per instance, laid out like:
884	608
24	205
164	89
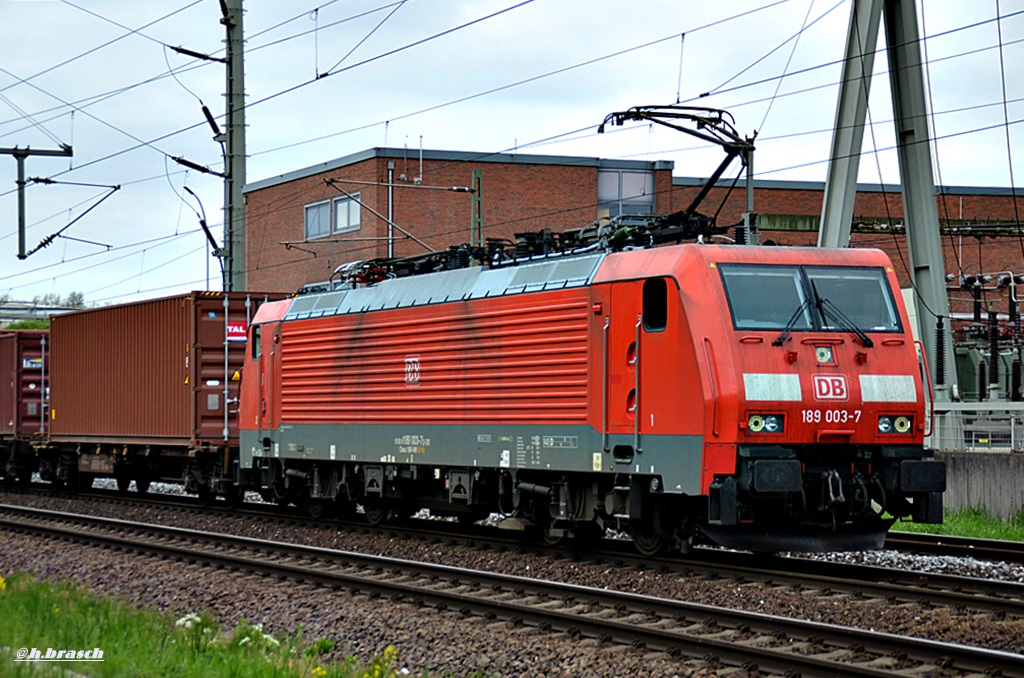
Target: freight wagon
147	391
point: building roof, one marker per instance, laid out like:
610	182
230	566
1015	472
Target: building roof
414	155
586	161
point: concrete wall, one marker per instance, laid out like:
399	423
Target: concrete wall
977	479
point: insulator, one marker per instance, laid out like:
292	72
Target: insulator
460	257
1015	379
976	295
993	346
982	385
940	354
524	246
741	235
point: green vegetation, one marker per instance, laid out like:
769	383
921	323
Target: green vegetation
973	522
29	325
145	643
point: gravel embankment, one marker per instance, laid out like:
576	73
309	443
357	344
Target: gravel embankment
447	643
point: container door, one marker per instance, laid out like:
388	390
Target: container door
32	386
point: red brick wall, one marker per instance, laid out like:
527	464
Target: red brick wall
868	205
516	197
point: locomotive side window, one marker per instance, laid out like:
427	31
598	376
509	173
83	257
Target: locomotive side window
655	309
254	343
766	297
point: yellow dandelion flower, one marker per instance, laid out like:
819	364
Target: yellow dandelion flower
3	584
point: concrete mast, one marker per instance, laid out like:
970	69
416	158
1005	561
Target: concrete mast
234	155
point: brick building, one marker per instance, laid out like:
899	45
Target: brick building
301	226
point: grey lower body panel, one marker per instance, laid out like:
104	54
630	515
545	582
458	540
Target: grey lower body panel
676	459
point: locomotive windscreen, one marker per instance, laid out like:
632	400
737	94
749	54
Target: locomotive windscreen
767	297
862	294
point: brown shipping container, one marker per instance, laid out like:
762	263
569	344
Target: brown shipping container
22	383
151	372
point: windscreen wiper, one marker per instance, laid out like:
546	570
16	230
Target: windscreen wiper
788	329
828	309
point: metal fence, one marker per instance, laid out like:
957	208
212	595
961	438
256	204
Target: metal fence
977	427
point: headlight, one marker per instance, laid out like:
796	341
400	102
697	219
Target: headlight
766	423
891	424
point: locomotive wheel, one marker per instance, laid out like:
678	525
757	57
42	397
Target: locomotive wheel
320	508
647	542
588	534
471	518
553	537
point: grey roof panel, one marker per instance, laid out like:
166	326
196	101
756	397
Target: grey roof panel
458	285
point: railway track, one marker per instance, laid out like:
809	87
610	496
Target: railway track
963	547
810	577
718	636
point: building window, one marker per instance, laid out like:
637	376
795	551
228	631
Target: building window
318	220
624	192
347	213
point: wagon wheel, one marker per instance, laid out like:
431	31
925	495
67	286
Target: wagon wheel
234	496
206	495
67	475
142	485
123	481
377	511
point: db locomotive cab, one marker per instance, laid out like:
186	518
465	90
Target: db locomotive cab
830	418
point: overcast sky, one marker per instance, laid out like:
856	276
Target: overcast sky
94	74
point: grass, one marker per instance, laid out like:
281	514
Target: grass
146	643
972	522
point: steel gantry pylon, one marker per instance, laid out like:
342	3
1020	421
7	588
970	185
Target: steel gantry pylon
924	246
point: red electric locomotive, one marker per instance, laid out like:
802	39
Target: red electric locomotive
764	398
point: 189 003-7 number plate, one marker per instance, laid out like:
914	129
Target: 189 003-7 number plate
830	416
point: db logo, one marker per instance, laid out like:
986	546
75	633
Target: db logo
412	370
830	387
